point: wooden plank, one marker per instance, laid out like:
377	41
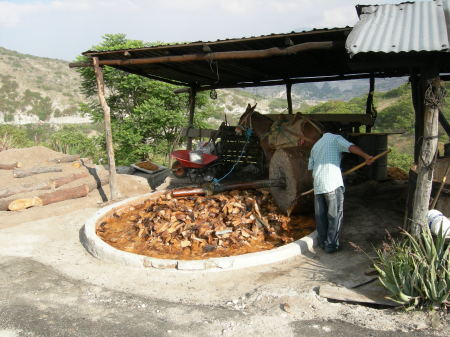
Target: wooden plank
108	133
371	294
362	119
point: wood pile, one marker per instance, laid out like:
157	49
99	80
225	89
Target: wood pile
22	183
148	165
196	227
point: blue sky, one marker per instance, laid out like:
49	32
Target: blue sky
65	28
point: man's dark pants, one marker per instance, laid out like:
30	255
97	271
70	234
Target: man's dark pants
329	212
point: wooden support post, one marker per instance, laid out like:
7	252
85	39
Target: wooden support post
417	86
108	133
192	94
369	102
289	96
433	95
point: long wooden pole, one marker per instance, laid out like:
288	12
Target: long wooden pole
427	156
108	133
354	168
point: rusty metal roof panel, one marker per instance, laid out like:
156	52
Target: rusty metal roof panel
405	27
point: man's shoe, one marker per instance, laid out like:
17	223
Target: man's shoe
330	249
321	245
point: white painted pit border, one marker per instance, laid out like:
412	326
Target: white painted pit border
103	251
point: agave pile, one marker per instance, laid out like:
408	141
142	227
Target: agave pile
224	224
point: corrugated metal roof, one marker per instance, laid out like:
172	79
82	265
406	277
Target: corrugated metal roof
405	27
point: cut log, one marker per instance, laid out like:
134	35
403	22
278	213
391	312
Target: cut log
10	166
65	180
50	198
65	194
66	159
35	170
7	191
53	183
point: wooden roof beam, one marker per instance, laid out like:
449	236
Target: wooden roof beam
284	81
229	55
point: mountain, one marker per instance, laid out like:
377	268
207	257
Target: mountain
324	91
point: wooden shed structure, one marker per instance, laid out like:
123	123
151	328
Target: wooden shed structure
406	39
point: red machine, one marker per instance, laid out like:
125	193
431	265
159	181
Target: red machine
183	166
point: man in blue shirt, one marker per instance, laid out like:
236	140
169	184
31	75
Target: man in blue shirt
325	162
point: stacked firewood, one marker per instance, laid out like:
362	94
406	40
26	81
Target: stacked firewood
197	226
18	195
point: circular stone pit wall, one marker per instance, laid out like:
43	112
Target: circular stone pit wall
103	251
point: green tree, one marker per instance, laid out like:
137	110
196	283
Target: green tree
399	116
146	115
13	137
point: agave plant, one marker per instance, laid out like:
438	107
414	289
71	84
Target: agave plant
416	270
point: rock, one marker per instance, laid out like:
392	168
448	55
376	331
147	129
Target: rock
286	307
125	170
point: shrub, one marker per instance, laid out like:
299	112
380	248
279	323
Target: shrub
72	141
12	137
400	159
416	270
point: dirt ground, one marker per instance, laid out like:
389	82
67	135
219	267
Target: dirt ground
50	285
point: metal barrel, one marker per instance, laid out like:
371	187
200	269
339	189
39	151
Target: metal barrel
373	144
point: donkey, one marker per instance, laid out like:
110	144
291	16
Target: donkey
260	124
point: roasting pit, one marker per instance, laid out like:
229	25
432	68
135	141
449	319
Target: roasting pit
223	231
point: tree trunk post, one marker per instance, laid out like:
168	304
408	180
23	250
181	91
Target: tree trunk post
289	96
432	99
108	133
192	94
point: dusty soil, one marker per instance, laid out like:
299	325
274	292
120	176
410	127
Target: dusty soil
197	227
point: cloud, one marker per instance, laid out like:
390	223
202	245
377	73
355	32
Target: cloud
11	14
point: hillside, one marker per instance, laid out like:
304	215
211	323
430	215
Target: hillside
34	89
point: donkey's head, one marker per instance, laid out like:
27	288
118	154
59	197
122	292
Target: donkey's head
246	116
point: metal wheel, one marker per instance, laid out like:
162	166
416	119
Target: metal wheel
291	165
